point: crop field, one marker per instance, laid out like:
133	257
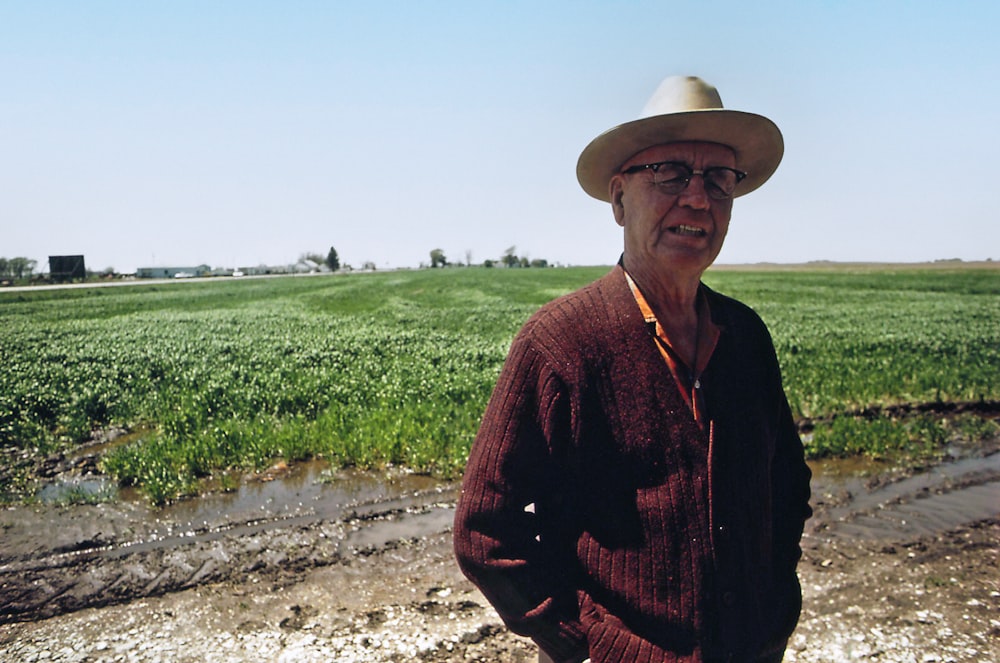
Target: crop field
217	377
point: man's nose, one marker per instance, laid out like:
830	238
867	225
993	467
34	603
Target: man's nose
694	194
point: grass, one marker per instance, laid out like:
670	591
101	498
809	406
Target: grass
880	437
395	367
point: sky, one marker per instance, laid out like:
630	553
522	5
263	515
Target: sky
177	133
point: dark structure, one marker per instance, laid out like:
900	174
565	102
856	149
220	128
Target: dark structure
66	268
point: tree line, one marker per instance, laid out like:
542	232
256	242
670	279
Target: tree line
508	259
17	268
438	259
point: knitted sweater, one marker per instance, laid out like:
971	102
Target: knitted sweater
649	539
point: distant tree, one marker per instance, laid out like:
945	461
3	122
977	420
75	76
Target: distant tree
488	263
438	259
21	267
4	267
332	261
539	262
509	258
524	262
468	257
368	266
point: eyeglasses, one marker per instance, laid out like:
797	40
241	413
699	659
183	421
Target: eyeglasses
673	177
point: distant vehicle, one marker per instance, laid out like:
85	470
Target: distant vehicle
237	272
183	275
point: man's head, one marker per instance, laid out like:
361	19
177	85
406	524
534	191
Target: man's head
684	109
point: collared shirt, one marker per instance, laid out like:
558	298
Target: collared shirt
688	378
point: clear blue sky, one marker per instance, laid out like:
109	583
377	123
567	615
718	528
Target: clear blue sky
241	133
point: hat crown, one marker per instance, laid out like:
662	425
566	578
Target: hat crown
677	94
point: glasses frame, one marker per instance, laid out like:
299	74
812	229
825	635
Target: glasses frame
655	167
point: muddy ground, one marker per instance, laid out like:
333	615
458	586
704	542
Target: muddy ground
899	565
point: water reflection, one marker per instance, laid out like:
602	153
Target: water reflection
78	490
860	499
303	492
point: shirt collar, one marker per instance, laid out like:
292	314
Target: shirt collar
708	331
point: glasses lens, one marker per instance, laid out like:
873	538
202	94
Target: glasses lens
672	177
720	182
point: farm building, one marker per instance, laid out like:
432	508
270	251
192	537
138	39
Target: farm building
171	272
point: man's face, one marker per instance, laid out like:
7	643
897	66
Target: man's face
680	233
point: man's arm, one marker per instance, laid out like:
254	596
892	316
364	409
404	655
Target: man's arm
497	539
790	504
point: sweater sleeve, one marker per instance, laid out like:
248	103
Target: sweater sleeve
498	542
790	474
790	492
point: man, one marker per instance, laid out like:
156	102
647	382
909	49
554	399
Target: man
637	489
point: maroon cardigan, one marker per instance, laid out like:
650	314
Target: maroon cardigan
649	539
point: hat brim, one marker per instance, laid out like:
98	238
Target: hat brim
755	140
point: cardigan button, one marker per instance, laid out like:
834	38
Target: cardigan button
729	599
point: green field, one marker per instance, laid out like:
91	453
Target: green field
220	376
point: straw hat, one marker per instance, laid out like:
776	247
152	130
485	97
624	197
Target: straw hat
684	108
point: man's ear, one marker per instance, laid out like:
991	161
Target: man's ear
616	193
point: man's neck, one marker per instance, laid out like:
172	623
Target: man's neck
670	295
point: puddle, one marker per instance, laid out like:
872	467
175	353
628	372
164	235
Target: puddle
387	506
106	441
301	489
78	490
851	505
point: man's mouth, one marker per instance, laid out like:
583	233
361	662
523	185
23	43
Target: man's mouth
688	231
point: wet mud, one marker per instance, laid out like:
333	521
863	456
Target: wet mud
900	564
57	559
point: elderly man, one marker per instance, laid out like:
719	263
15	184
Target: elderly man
637	489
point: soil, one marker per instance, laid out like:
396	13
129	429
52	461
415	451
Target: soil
899	565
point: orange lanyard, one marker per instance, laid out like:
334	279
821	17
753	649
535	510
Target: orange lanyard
688	379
